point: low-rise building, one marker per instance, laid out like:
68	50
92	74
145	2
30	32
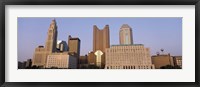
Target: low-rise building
83	62
91	58
28	63
177	61
161	60
61	60
133	56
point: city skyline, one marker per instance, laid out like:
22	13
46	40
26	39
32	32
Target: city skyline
168	31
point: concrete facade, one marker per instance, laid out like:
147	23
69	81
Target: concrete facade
101	38
39	57
61	60
128	57
125	34
162	60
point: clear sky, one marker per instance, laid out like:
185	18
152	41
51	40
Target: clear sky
154	33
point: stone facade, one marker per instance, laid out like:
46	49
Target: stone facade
162	60
39	57
61	60
128	57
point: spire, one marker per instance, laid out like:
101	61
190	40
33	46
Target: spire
53	21
53	24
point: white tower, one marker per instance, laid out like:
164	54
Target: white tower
125	34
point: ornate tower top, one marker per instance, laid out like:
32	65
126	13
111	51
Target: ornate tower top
125	34
125	26
53	24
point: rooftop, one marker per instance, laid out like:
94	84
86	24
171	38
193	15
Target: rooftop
125	26
128	45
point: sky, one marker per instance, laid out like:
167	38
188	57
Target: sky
155	33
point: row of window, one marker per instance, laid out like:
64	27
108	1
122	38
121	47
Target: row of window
126	50
129	67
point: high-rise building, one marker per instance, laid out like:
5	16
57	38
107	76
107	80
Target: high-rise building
134	56
74	47
125	34
101	41
41	52
62	46
51	38
101	38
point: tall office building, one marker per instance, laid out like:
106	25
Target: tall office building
125	34
101	38
51	38
74	47
41	52
101	41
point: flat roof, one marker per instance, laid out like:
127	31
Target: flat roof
128	45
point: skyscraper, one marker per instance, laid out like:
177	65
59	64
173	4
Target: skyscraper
41	52
74	47
101	38
101	41
125	34
51	37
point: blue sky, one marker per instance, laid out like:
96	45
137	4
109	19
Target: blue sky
154	33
